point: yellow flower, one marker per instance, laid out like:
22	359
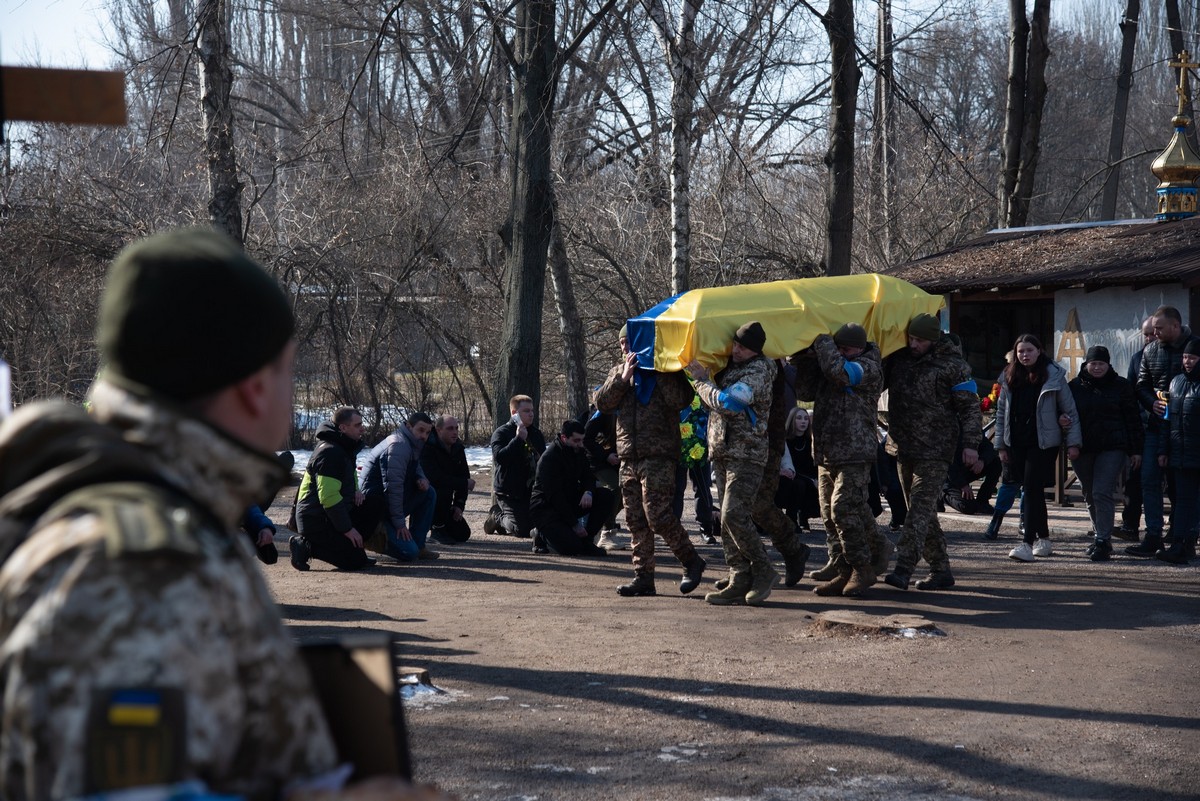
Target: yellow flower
697	452
695	401
685	430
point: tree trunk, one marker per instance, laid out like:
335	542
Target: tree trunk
216	82
1178	45
569	324
883	144
1116	136
527	232
839	158
1035	103
1014	111
679	48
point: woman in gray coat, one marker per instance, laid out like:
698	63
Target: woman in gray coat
1033	394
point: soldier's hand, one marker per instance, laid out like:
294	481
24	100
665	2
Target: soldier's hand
629	368
696	370
359	497
1135	462
586	501
1003	454
579	530
786	473
1162	460
354	537
1073	452
1064	421
1160	408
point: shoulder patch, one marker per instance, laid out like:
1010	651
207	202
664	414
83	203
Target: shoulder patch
136	518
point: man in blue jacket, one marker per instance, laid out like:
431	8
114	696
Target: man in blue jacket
395	477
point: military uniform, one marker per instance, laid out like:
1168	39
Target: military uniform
648	446
737	448
138	594
932	403
767	516
846	396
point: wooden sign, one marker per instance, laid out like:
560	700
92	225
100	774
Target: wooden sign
78	97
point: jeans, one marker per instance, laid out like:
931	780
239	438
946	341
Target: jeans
1098	474
1033	467
1152	481
418	510
1006	496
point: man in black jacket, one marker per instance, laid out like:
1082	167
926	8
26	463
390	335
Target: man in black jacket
516	447
445	462
567	506
328	498
1162	360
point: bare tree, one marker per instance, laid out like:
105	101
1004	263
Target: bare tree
1116	137
839	158
216	84
1029	50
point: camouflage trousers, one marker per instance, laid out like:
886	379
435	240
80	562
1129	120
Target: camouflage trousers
737	493
769	517
922	536
850	530
648	490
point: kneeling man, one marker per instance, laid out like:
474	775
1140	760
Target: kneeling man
568	508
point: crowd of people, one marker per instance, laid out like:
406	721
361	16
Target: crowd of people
120	521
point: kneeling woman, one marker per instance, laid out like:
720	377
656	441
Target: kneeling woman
1033	394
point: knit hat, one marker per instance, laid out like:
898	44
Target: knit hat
1192	346
925	326
624	332
851	335
1097	353
752	336
187	312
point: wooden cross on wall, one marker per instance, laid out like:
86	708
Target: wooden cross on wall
77	97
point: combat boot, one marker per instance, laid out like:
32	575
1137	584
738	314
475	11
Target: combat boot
898	579
301	552
691	577
1148	547
836	584
734	591
937	580
763	582
642	584
993	529
861	578
794	565
492	522
831	570
881	560
1174	555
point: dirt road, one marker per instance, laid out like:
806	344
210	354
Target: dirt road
1061	679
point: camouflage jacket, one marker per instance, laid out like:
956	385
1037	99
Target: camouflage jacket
739	435
649	430
932	403
144	590
845	395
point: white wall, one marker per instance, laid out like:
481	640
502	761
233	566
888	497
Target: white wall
1110	317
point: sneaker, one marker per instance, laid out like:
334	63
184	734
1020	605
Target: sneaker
300	552
1022	553
708	538
1127	534
610	542
1100	551
1042	547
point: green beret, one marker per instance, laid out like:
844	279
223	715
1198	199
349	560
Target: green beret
186	312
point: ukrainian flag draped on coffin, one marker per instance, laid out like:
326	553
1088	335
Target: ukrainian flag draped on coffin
700	324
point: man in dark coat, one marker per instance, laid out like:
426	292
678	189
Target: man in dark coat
1162	360
445	461
328	498
567	506
516	447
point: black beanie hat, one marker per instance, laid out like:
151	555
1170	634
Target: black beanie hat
752	336
187	312
1097	353
1192	346
851	335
